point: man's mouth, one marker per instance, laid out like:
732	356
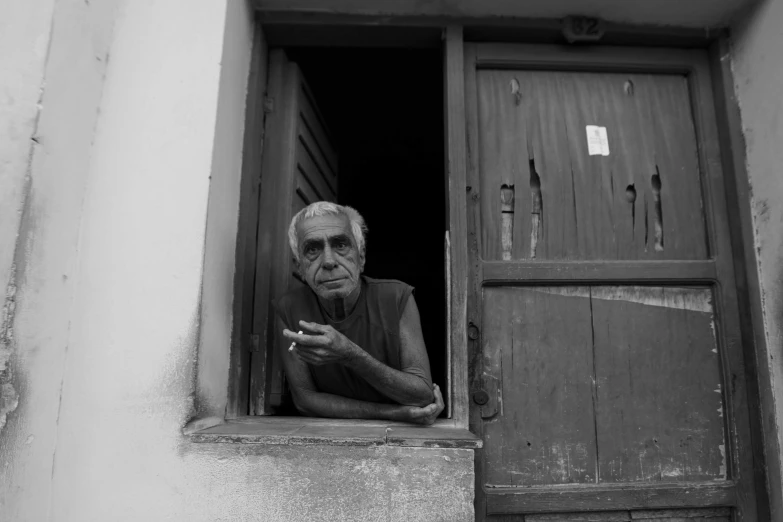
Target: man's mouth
332	281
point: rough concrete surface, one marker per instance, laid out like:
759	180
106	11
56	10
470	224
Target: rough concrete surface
25	30
757	62
690	13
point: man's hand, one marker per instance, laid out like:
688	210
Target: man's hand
427	414
326	346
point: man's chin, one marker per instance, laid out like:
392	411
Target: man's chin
334	291
333	294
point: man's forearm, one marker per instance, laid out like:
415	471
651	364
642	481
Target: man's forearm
399	386
317	404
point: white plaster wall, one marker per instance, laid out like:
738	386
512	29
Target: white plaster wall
24	43
223	214
136	170
76	37
757	61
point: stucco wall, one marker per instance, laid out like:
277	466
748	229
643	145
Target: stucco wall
59	106
757	62
24	41
124	277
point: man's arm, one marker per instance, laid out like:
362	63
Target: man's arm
410	386
309	401
317	404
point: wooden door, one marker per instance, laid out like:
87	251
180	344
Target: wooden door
606	373
299	167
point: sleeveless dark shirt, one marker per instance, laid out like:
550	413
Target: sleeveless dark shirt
374	325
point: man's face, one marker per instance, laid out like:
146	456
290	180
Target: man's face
329	259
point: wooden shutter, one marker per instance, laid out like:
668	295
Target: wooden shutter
299	167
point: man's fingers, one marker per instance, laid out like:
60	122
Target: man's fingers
314	355
304	339
438	405
420	413
438	396
310	351
314	327
311	357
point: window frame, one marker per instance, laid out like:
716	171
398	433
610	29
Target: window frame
244	341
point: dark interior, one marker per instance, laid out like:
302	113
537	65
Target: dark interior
384	109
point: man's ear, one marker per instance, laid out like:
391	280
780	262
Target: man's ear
297	273
361	261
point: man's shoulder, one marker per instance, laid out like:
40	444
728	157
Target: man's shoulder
393	292
392	285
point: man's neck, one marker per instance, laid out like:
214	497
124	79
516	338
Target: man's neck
338	309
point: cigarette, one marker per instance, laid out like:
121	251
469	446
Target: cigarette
291	348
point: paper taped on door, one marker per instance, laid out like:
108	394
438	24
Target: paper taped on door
597	140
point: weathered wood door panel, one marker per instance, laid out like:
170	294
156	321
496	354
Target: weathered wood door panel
659	403
601	385
299	167
601	285
537	347
570	204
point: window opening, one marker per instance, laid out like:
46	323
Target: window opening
384	110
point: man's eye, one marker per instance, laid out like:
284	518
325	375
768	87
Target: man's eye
310	250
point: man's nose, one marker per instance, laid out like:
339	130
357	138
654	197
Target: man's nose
329	261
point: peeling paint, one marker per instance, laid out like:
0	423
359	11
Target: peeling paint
9	398
758	76
671	472
692	299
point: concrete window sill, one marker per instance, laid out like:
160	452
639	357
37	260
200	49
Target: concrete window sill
334	432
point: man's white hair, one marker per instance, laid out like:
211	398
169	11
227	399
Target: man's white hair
325	208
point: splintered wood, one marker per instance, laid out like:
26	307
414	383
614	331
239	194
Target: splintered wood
602	385
640	198
507	208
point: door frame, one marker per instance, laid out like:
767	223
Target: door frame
718	270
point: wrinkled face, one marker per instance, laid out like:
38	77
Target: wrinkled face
329	258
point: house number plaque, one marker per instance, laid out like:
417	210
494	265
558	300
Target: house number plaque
582	29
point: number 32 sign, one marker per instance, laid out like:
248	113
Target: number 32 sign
582	29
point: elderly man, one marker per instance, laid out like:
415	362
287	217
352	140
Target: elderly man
353	345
